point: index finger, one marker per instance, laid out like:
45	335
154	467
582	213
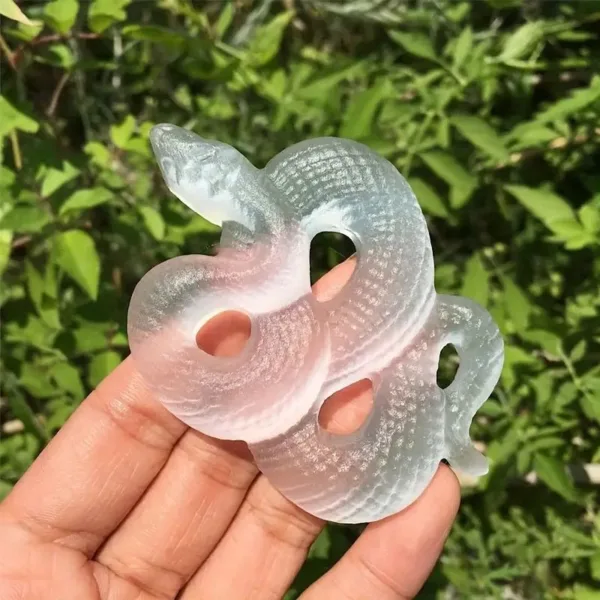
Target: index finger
97	466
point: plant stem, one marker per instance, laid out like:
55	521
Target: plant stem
16	148
9	55
417	142
56	93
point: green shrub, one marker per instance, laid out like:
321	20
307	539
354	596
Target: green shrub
490	109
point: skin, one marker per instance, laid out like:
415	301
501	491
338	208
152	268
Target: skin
126	503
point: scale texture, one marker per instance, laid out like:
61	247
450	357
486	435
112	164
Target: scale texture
387	325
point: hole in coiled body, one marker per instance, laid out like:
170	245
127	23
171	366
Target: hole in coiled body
225	334
346	410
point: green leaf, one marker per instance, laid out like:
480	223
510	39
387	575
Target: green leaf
476	280
154	222
45	305
11	118
104	13
322	86
30	31
360	113
507	445
274	88
480	134
156	34
102	365
35	381
121	134
85	199
25	218
99	153
566	394
572	233
9	9
589	215
545	339
7	177
463	47
54	179
22	411
61	14
590	407
530	134
61	408
75	253
89	338
517	304
492	409
462	183
67	378
58	55
457	576
543	386
320	547
553	473
565	107
546	206
428	198
578	352
267	39
119	339
5	486
582	592
523	40
595	565
6	238
417	44
224	21
183	97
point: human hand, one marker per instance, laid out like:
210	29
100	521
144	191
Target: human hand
126	503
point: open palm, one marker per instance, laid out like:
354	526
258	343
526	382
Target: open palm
127	503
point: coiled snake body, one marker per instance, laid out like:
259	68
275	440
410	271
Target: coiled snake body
387	324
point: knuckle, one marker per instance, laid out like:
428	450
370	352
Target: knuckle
132	410
377	579
146	575
280	519
217	460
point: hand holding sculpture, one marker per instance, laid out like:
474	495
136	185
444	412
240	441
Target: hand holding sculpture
387	324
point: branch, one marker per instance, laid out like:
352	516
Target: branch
56	37
558	143
21	241
49	39
56	93
10	57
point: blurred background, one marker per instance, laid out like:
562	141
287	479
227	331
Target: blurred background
490	108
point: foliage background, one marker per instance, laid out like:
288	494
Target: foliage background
489	108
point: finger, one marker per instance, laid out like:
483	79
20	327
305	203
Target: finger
97	467
183	515
192	502
261	552
345	410
332	283
392	559
269	538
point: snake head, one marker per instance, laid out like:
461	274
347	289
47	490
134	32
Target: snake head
200	172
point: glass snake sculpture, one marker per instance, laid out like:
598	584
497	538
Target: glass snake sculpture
387	324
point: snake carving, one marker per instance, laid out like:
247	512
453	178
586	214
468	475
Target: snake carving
387	325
